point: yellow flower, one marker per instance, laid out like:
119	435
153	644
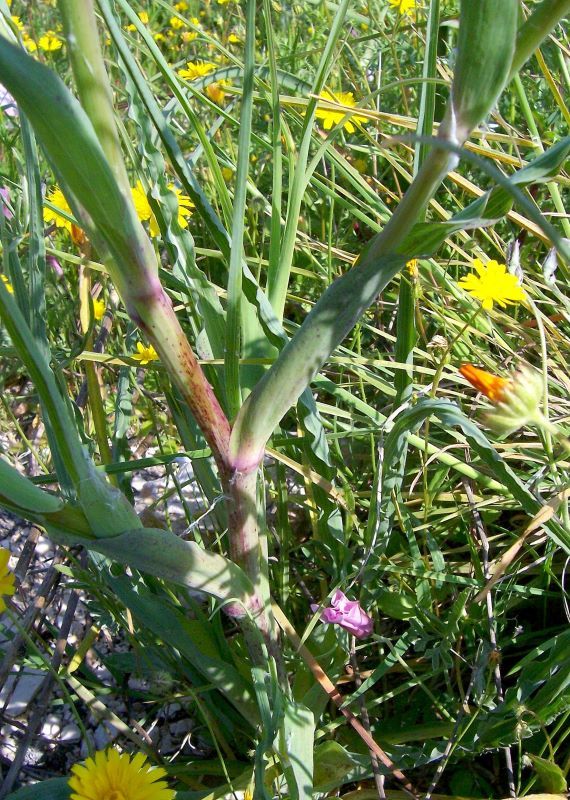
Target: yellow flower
111	775
142	206
233	39
331	118
404	6
159	37
215	91
57	197
29	43
182	6
412	267
143	16
98	309
145	354
7	284
176	23
17	22
146	214
7	587
493	284
196	69
50	42
185	205
227	173
189	36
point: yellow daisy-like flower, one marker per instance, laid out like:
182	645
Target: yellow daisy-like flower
182	6
50	42
146	214
111	775
176	23
142	206
196	69
491	283
29	43
98	309
145	354
233	38
7	586
189	36
185	205
404	6
17	22
215	91
57	197
7	284
331	118
143	16
412	267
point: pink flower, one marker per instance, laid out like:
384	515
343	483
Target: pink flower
348	614
55	265
7	102
4	200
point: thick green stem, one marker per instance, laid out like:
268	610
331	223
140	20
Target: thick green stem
330	320
537	141
476	86
152	311
80	25
245	551
136	272
536	28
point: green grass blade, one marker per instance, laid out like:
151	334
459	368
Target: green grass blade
234	302
406	335
278	280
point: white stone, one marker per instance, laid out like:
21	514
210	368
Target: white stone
20	688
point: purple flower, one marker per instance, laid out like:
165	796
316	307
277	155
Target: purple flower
4	200
55	265
348	614
7	102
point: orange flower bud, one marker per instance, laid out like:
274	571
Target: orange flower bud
77	235
492	386
516	401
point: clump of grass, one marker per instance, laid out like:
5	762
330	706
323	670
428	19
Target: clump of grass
253	155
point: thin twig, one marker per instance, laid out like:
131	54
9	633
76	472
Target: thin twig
43	696
330	689
41	600
481	533
378	776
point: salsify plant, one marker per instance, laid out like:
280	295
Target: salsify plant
233	366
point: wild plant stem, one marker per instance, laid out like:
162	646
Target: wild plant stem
151	309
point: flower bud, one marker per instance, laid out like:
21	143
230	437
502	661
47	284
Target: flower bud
516	400
485	48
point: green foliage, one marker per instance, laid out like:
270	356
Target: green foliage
377	479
